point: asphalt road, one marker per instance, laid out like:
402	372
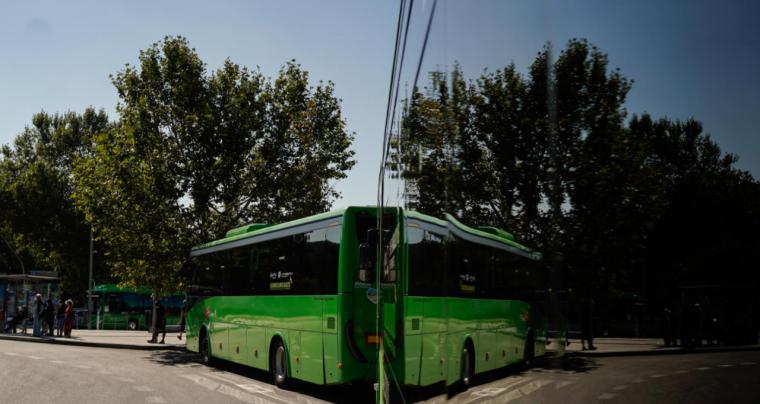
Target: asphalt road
41	373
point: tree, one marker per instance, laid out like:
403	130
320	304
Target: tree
38	215
553	155
195	153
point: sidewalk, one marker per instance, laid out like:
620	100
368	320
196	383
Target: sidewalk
104	339
637	346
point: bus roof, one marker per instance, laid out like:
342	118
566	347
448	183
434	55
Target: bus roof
256	229
113	288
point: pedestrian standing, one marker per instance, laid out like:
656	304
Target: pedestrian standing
587	327
49	316
37	310
667	327
160	324
182	315
60	315
68	318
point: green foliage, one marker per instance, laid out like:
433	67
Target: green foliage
196	153
551	156
38	217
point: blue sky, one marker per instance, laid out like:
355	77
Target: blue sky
688	58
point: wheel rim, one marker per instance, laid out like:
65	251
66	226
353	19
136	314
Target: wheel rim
279	364
132	325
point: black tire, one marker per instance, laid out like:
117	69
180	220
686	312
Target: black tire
132	325
530	351
468	365
204	348
278	364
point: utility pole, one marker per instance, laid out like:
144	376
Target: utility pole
89	287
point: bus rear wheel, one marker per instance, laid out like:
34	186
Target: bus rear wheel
132	325
278	364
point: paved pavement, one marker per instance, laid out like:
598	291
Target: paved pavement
704	377
635	346
105	338
62	374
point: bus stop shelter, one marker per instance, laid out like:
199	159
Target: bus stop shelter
18	290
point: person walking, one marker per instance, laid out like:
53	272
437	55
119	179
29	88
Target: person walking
160	324
68	318
37	310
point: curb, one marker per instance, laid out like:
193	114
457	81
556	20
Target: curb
45	340
679	351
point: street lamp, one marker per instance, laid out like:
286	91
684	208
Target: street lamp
90	285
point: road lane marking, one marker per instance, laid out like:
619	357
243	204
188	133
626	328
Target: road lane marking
229	391
656	376
143	388
155	400
606	396
727	366
57	362
34	357
704	368
511	396
82	366
479	393
529	388
202	381
252	387
11	353
564	383
621	387
489	391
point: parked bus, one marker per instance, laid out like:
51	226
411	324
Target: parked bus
119	308
298	299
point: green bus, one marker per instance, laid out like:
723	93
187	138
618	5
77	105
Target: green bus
297	299
117	308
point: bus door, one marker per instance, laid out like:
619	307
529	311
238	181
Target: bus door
391	253
367	333
110	315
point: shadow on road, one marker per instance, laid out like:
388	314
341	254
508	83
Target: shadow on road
363	392
567	365
337	394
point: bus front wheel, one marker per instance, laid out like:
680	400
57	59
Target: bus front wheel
530	351
468	365
278	363
132	325
205	348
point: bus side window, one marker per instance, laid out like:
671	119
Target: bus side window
236	282
427	263
253	271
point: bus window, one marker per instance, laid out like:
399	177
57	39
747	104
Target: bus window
426	263
304	263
